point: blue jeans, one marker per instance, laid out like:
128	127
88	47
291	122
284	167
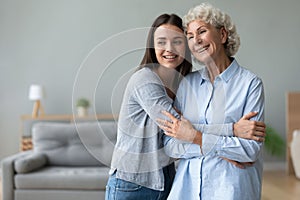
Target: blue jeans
118	189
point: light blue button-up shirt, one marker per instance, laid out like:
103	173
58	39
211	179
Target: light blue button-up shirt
139	154
202	173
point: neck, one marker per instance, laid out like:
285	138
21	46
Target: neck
216	66
167	76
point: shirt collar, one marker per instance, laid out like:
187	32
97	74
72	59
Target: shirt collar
225	75
230	71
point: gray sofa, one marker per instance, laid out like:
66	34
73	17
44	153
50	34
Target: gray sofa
69	161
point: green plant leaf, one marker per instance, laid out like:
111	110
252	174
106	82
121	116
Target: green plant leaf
274	143
83	102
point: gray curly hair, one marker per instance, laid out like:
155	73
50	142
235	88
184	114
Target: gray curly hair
214	16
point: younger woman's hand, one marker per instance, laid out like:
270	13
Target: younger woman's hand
180	129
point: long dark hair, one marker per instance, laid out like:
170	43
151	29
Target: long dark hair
150	59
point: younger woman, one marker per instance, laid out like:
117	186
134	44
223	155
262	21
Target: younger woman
140	169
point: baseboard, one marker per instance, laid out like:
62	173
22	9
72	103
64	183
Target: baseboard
275	166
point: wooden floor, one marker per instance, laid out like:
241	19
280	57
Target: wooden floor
276	186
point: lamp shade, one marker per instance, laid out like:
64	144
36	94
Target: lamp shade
36	92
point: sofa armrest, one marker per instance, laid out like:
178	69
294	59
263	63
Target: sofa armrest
30	163
8	172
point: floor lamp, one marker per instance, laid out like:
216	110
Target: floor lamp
36	94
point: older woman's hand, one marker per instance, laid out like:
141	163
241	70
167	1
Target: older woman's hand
180	129
248	129
241	165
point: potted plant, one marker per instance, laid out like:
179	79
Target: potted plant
82	105
274	143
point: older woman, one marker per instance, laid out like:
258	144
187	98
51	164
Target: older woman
222	92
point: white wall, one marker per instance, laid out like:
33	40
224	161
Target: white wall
46	41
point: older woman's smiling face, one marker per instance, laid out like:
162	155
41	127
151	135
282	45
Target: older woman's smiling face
205	41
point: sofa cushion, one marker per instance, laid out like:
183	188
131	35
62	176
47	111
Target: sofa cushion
75	144
83	178
30	163
295	148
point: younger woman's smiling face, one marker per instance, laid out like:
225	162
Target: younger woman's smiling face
170	45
